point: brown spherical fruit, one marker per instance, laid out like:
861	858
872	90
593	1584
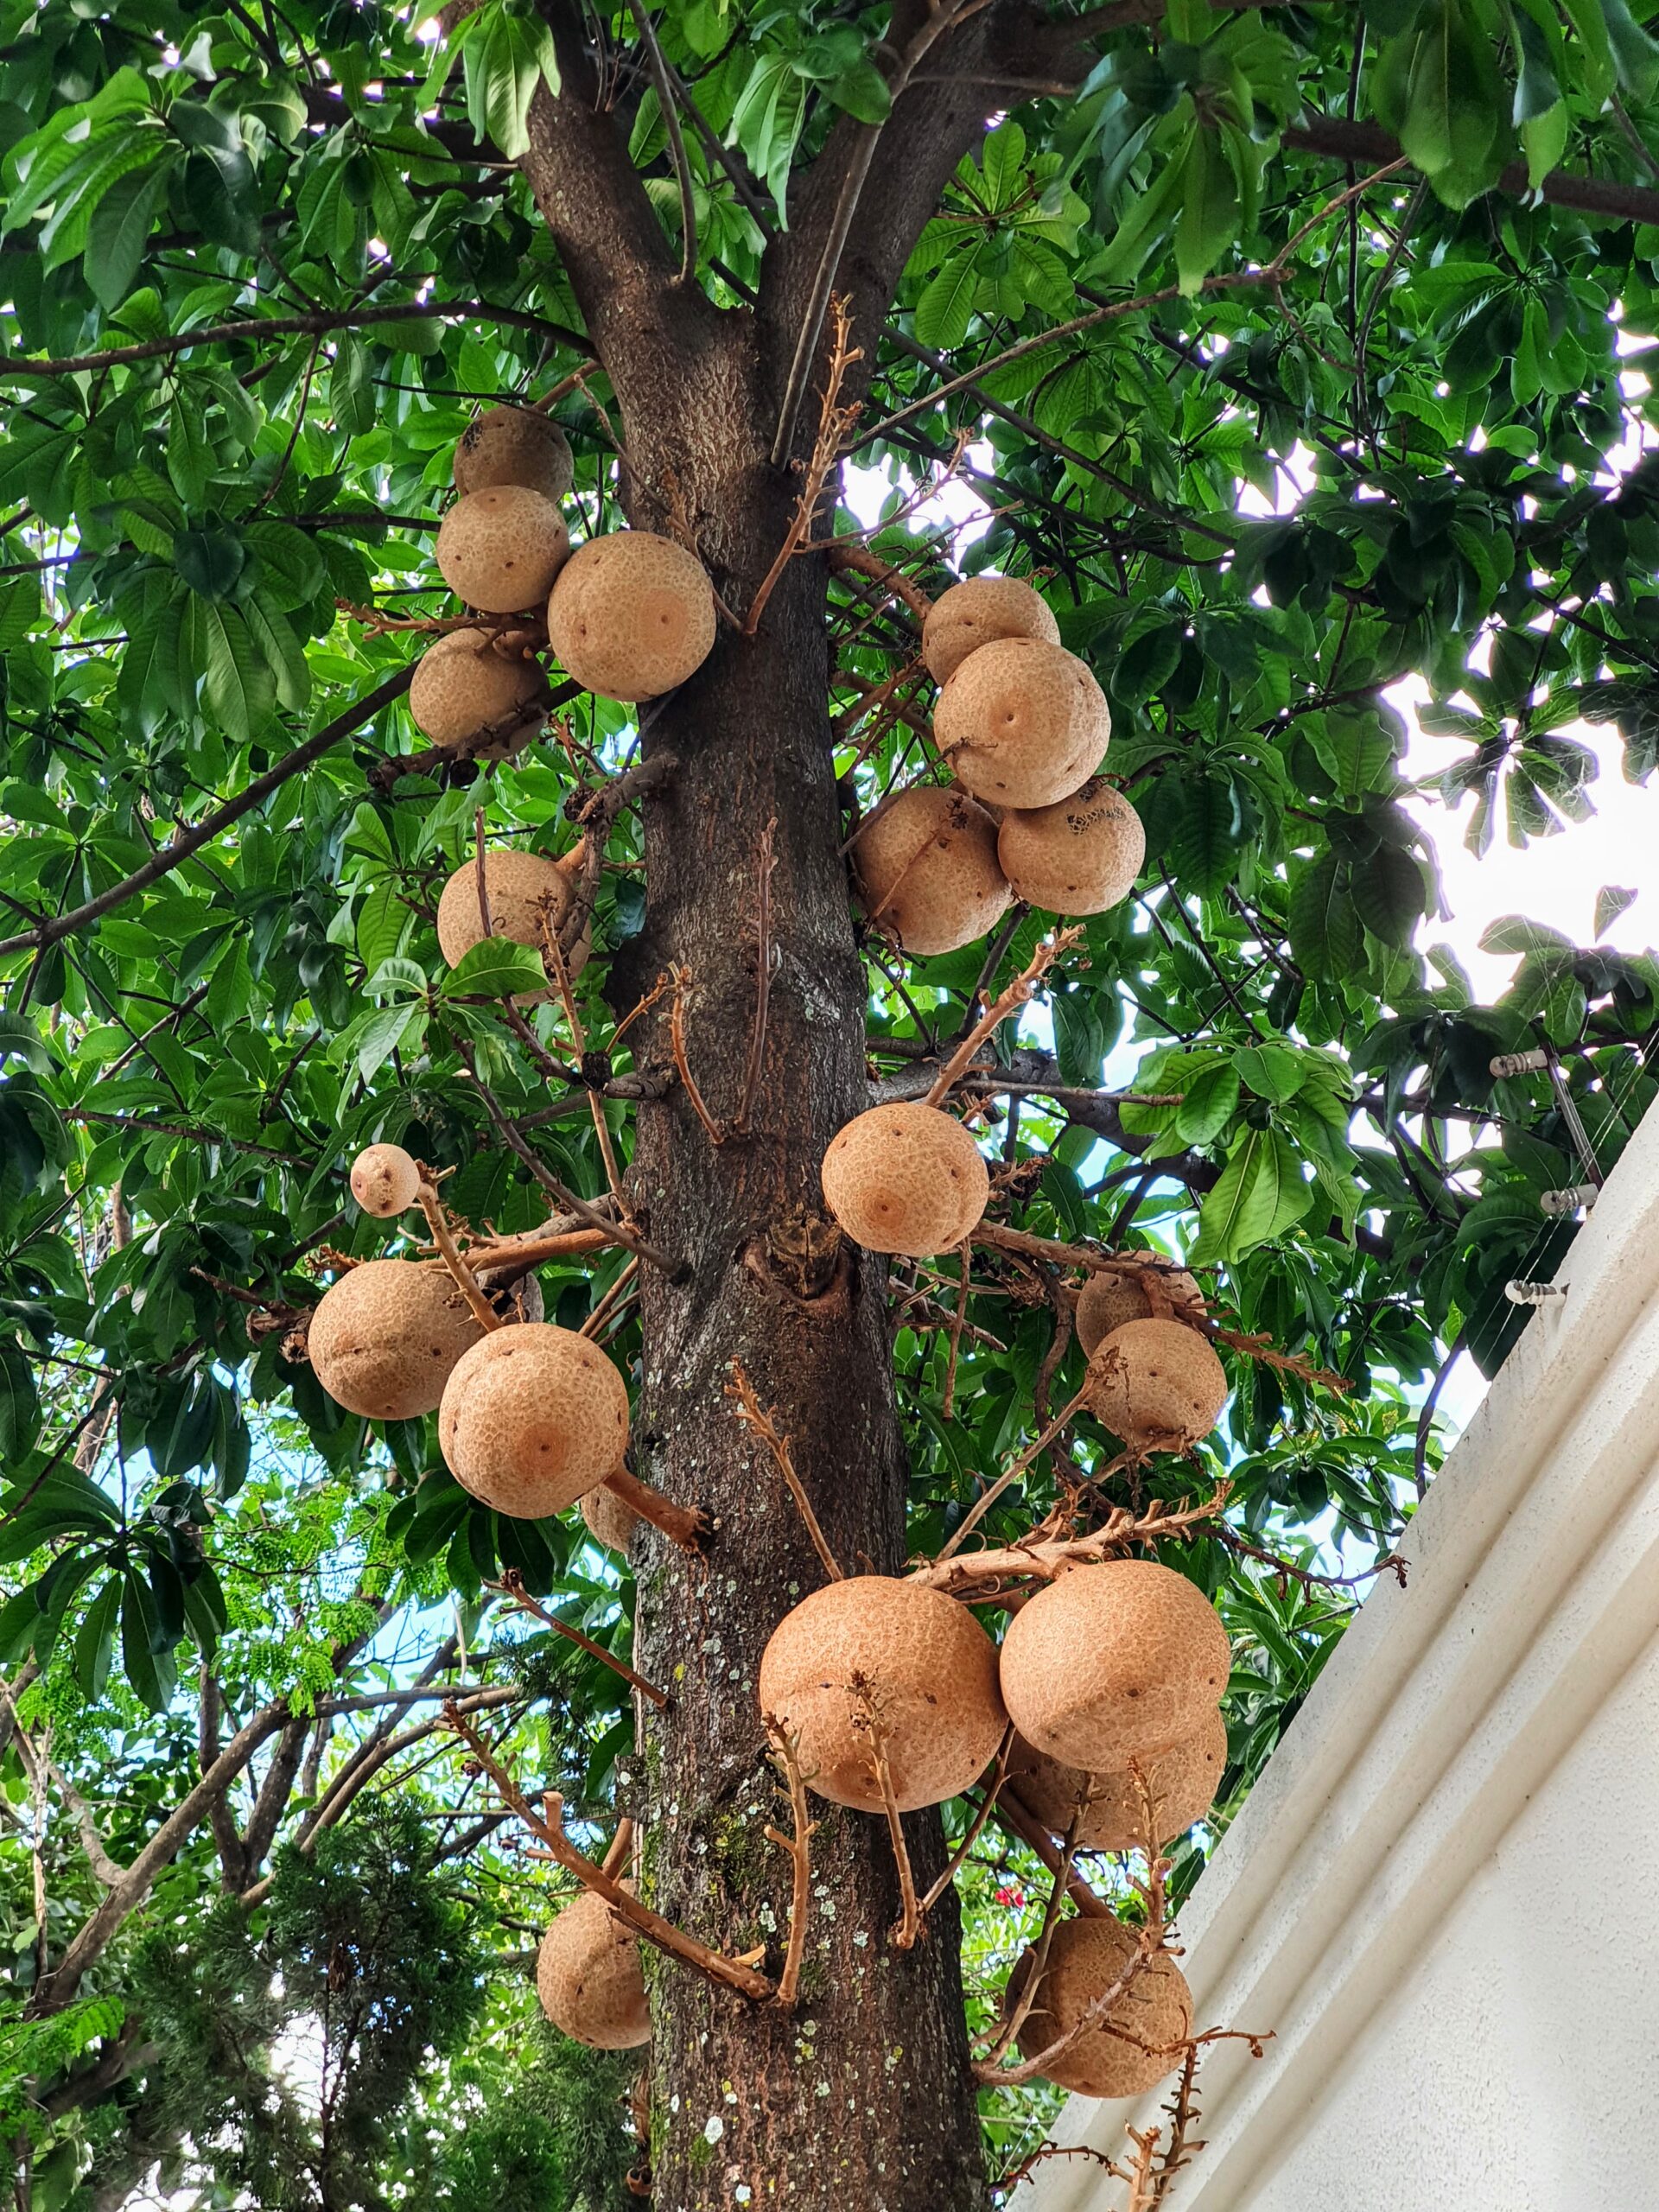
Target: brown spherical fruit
1022	722
384	1180
977	613
1079	857
462	686
514	445
928	871
907	1178
913	1657
533	1416
522	889
631	615
1157	1384
1133	2047
1112	1662
1107	1302
1181	1782
500	549
610	1520
588	1976
385	1338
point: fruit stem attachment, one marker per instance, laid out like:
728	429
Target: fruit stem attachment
432	1207
682	1525
755	1416
786	1748
1007	1001
549	1827
511	1586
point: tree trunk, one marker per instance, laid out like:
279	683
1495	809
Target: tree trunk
861	2096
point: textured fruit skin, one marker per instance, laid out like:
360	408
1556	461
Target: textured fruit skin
500	550
928	871
384	1338
1182	1781
978	611
514	445
1157	1383
1112	1662
632	615
588	1976
521	888
1107	1302
384	1180
532	1416
1085	1957
906	1178
610	1520
463	685
1023	723
931	1671
1079	857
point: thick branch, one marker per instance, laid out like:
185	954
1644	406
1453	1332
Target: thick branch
298	326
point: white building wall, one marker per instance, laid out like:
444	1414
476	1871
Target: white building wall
1443	1895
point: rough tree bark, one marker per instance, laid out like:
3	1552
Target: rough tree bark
861	2096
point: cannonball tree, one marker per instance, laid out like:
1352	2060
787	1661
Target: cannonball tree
483	731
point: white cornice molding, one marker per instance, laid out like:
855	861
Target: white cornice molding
1533	1586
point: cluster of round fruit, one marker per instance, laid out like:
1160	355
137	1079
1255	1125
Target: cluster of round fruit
1111	1678
909	1179
628	616
531	1418
1024	726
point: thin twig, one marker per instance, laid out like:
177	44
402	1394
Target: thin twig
908	1926
1039	1557
835	425
1007	1001
646	1923
982	1813
753	1415
665	100
432	1207
786	1751
511	1584
762	982
1014	1469
681	978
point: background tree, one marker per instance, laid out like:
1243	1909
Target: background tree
1293	351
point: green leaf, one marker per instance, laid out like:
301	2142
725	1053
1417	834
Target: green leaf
1515	933
1610	903
350	387
238	687
945	307
1261	1194
1272	1071
497	969
1208	219
863	92
120	230
1208	1105
95	1640
1389	895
